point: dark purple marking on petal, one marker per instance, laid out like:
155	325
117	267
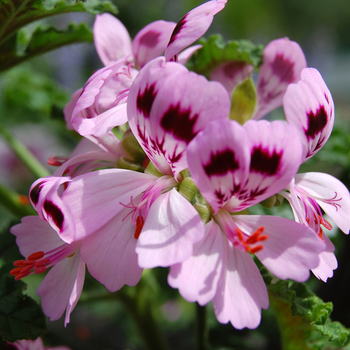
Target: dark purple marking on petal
177	29
178	123
221	163
145	100
283	68
220	196
326	97
150	39
35	192
263	162
316	122
55	213
234	68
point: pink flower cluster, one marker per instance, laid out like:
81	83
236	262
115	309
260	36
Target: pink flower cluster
176	191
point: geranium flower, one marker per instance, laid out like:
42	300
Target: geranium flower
62	286
234	168
309	106
36	344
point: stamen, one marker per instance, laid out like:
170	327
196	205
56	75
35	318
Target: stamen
139	225
254	238
36	256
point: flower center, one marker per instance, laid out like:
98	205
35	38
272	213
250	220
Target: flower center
39	262
250	244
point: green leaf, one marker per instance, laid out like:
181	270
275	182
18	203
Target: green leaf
215	52
20	316
304	319
15	14
45	39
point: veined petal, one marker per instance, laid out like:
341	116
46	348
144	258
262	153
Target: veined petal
230	74
34	234
330	194
112	40
198	276
310	107
44	195
283	61
171	229
218	160
291	249
192	26
76	292
276	154
68	109
56	288
328	261
241	291
168	106
109	253
151	41
95	198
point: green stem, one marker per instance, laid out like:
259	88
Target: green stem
202	333
22	152
145	321
12	202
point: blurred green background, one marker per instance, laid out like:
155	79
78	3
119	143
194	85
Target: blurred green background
33	95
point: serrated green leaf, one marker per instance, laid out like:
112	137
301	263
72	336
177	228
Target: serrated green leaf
304	318
15	14
45	39
215	51
20	316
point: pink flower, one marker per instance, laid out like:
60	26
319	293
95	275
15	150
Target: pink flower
101	104
234	168
309	106
44	249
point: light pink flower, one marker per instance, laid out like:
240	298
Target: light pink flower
62	286
234	168
36	344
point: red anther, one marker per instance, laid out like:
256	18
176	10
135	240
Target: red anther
326	223
23	199
42	262
255	236
40	269
56	161
17	271
256	249
139	225
36	256
20	263
239	234
22	275
263	238
27	268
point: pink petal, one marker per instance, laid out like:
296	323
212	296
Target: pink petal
291	249
151	41
230	74
283	61
218	161
112	40
58	285
328	261
198	276
241	291
76	292
168	106
331	195
310	107
171	229
192	26
95	198
186	54
33	235
68	109
109	253
276	155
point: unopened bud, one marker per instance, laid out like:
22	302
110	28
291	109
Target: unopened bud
273	201
151	169
243	101
132	147
188	189
126	163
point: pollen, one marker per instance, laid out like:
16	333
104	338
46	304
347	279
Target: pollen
255	238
